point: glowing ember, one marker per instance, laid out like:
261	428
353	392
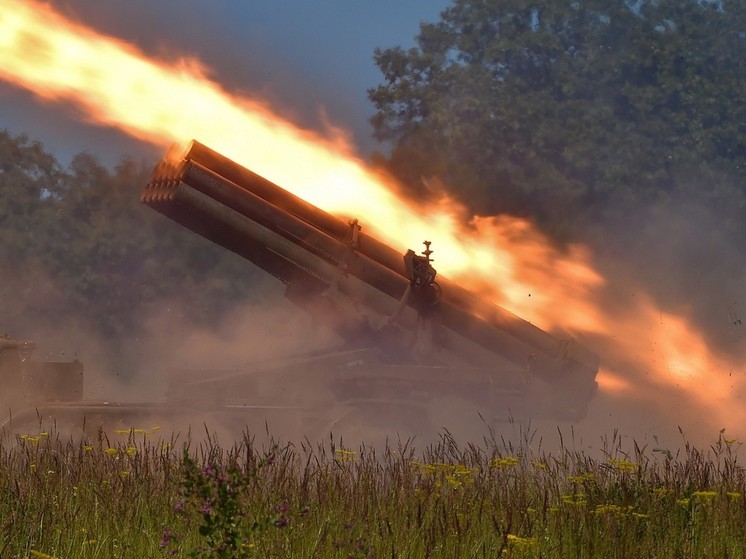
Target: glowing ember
502	258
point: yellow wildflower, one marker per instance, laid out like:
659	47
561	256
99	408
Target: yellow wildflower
345	452
453	481
734	494
624	465
456	475
140	430
124	474
705	495
88	448
504	462
345	455
517	542
581	478
463	473
111	451
131	451
609	509
578	499
428	469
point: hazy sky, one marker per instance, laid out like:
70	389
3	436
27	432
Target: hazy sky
309	57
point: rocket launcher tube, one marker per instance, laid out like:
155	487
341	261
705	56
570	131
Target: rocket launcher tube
564	353
292	228
212	207
186	202
162	196
377	264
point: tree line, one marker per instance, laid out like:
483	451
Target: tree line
78	248
572	113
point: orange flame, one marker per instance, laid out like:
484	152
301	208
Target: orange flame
503	258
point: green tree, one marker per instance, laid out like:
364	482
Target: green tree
558	110
79	248
30	179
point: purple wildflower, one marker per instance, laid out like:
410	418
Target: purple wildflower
166	538
206	508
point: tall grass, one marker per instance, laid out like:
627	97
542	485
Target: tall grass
133	494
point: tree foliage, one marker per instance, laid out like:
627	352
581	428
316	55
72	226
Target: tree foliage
78	247
558	110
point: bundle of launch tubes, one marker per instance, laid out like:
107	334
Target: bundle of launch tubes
299	243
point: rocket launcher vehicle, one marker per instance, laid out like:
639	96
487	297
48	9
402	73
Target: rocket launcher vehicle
421	336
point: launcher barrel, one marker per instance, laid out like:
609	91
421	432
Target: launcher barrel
318	255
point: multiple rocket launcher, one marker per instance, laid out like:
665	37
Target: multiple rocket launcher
420	351
363	289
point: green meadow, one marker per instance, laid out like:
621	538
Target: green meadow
137	493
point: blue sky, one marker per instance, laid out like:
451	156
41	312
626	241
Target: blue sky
305	56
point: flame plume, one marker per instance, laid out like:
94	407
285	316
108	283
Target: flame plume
504	259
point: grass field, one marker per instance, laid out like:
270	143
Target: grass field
137	494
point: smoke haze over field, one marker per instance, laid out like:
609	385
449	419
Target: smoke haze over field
691	296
